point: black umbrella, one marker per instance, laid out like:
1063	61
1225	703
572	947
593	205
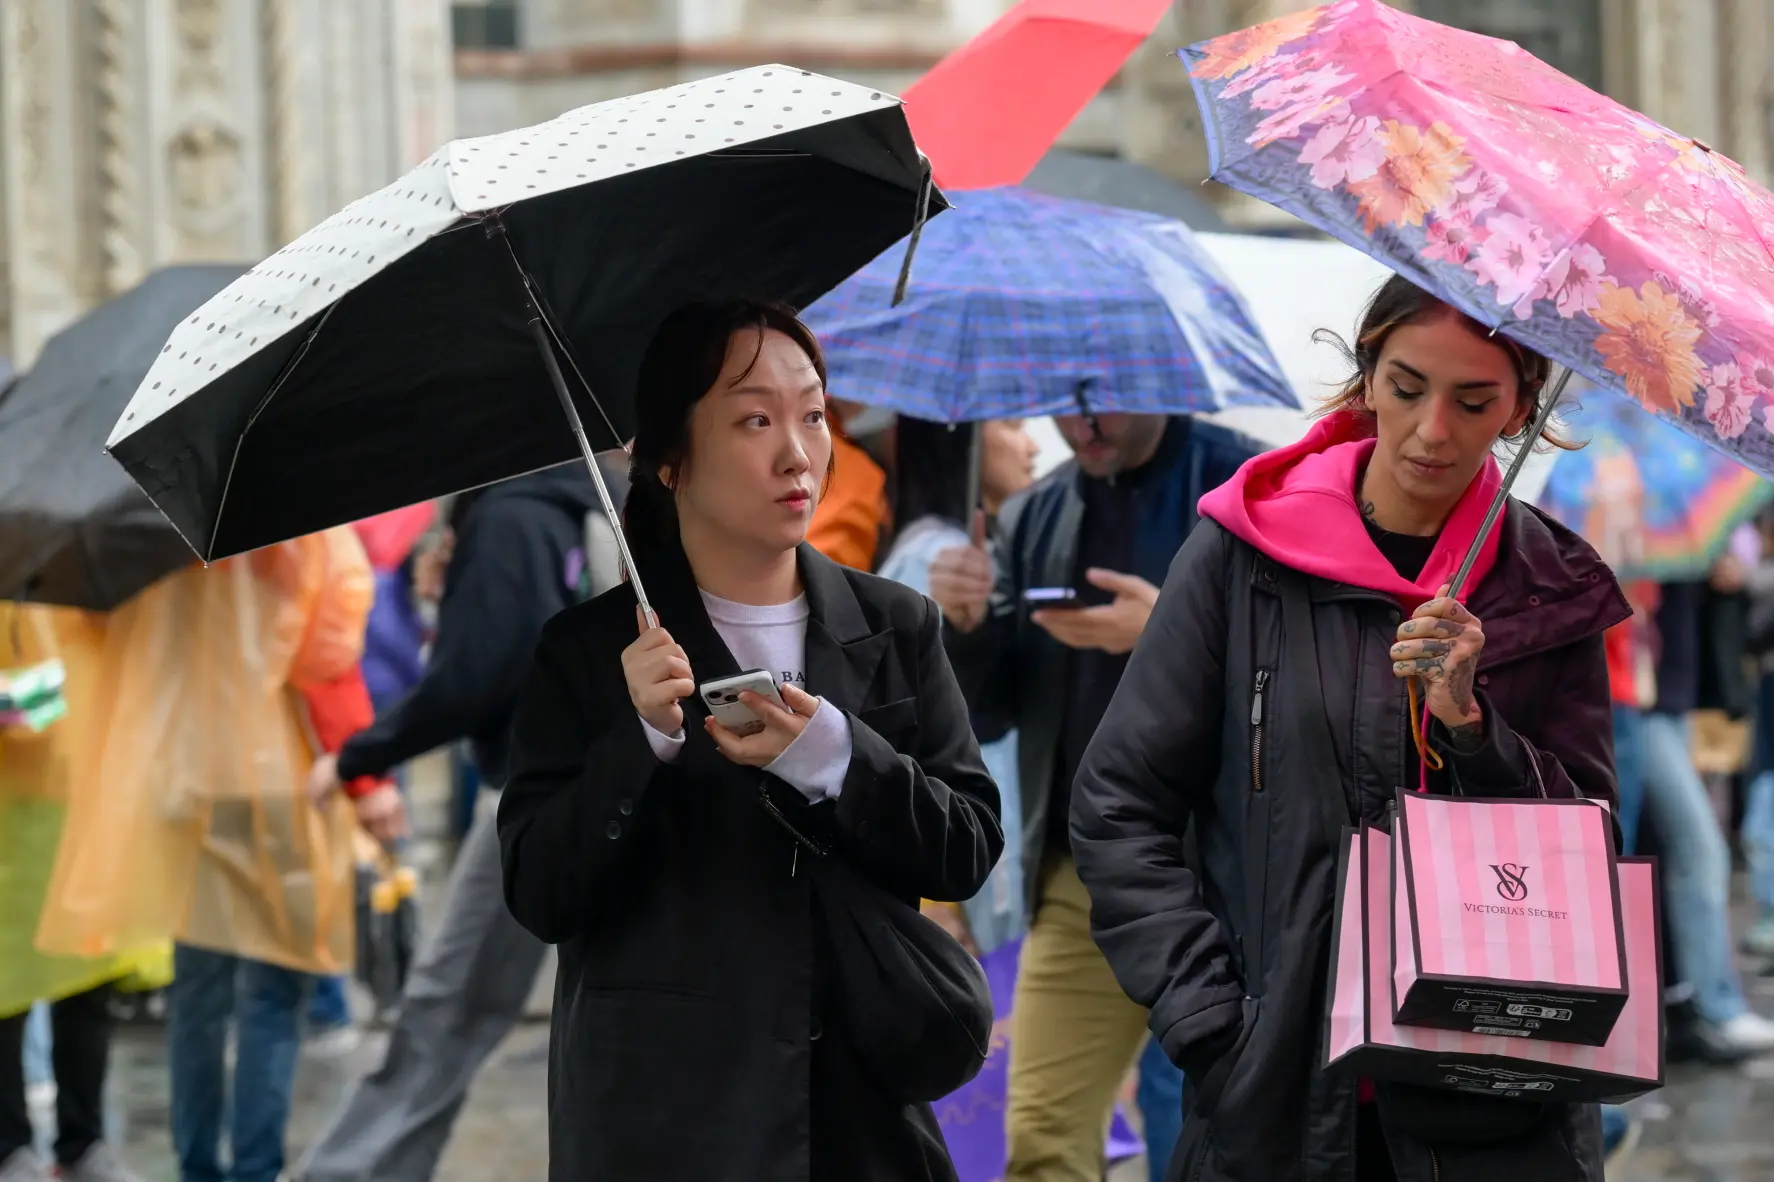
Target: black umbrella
411	345
74	529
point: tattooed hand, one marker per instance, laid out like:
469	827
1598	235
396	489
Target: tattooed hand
1441	645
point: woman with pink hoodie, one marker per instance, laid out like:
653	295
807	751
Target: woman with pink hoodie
1294	619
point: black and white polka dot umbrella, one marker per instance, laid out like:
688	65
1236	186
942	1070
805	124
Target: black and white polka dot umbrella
390	354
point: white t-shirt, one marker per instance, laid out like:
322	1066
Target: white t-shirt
773	637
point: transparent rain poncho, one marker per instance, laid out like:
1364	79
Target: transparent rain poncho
188	815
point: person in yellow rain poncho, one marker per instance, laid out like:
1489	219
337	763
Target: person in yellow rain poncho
36	771
193	821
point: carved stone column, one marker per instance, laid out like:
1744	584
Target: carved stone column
210	141
45	150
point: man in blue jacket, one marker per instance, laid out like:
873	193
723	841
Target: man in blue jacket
1104	526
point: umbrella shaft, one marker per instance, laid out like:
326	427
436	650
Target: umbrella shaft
540	332
1535	430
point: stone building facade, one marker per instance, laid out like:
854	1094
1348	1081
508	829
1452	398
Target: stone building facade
138	133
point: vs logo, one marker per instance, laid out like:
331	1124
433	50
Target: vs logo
1512	881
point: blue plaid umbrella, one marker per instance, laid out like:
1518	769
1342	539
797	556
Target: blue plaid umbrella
1022	305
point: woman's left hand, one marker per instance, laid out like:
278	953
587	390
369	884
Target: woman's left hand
781	727
1441	644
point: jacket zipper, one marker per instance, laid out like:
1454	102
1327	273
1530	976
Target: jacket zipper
1256	731
1434	1167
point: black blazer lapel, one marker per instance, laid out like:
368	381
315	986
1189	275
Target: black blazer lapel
843	653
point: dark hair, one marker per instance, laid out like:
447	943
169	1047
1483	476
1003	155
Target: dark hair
1398	303
682	363
930	470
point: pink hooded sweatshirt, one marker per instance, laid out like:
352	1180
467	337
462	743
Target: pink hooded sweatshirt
1297	505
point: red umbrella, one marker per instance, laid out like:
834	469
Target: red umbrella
389	537
989	110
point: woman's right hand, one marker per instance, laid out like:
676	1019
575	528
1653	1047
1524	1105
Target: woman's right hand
659	677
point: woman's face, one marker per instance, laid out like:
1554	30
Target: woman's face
759	446
1007	460
1441	394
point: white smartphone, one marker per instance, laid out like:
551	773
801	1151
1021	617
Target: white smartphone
722	698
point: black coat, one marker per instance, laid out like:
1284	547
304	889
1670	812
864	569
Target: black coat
1232	957
689	1038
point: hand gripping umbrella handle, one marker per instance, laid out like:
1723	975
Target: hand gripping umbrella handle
1535	430
540	332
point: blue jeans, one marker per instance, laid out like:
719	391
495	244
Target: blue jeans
1758	816
1629	771
265	1003
1160	1097
1696	866
1758	839
329	1008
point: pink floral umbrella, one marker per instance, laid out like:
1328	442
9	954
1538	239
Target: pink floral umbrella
1635	256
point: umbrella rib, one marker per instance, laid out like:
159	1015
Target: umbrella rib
547	315
282	377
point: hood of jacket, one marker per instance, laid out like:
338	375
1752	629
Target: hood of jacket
1297	505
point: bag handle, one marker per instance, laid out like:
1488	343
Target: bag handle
1300	649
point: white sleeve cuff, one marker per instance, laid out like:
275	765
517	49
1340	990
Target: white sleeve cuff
665	747
816	763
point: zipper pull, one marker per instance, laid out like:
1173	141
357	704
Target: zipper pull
795	864
1256	701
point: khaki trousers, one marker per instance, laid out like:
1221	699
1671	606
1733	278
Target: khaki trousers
1074	1037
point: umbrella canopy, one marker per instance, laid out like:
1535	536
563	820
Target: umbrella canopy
987	111
390	355
1025	304
1657	503
74	530
1633	255
1105	180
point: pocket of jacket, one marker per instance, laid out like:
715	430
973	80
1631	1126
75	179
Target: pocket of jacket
1256	880
1212	1086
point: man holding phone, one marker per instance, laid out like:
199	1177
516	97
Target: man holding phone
1104	526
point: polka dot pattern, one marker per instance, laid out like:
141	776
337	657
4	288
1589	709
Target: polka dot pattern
289	287
620	136
468	177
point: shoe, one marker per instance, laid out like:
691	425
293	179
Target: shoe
1752	1032
99	1164
1620	1134
1689	1040
25	1166
334	1043
1759	939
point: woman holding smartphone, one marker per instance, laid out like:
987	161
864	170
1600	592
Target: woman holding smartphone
663	851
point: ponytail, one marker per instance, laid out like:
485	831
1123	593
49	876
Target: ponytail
650	514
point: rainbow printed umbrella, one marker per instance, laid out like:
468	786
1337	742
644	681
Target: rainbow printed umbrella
1656	502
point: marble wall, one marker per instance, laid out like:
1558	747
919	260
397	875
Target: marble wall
138	133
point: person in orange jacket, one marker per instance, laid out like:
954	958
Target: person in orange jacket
853	508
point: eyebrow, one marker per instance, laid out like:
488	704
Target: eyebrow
1483	384
813	387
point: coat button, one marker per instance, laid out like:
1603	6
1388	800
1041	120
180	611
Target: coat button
625	806
1484	679
816	1031
613	831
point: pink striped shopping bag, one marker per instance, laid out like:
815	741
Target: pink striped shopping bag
1362	1037
1506	918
